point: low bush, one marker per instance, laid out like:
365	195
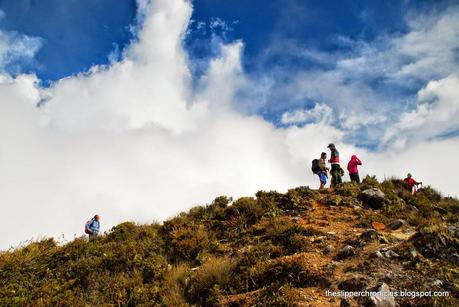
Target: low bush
176	281
296	271
210	279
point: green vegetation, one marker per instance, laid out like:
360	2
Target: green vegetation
263	251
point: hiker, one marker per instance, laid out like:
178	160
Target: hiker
336	170
92	227
353	170
411	183
320	168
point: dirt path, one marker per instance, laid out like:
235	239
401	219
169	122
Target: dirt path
339	226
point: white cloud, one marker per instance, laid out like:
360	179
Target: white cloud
17	49
431	45
134	141
320	113
361	85
435	115
353	120
430	161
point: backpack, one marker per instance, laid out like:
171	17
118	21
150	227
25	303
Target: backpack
315	166
86	227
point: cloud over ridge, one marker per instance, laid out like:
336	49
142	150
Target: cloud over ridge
135	140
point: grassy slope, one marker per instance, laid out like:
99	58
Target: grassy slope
266	250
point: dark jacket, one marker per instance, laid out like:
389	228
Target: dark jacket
334	159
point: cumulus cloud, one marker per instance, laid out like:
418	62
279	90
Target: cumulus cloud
319	113
17	50
366	85
435	115
136	141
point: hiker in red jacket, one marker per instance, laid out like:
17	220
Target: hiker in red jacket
411	183
353	170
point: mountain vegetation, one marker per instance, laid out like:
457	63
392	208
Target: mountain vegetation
273	249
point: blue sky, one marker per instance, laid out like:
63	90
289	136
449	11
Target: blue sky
75	35
348	55
79	34
109	106
282	39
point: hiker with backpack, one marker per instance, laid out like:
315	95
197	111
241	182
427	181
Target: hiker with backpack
92	227
320	168
353	170
336	170
411	183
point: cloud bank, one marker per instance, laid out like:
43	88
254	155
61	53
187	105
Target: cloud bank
136	140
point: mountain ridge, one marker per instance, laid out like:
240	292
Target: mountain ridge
273	249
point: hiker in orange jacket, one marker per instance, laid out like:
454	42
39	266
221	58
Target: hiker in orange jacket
353	170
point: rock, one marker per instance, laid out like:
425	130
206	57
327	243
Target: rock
440	210
391	254
453	258
369	234
353	284
319	239
344	303
412	208
454	231
433	282
327	249
433	245
381	300
383	239
413	253
345	252
388	277
396	224
373	198
376	254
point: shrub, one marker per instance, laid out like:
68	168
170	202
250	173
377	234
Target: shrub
296	271
430	193
185	242
272	201
285	233
261	252
283	296
370	182
452	206
350	189
434	241
245	209
175	284
207	280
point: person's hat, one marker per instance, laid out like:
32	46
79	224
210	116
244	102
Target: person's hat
409	175
331	145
